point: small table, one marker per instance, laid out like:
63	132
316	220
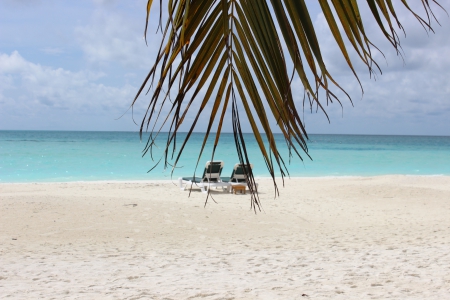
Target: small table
241	188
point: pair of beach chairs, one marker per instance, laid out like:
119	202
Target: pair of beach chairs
212	178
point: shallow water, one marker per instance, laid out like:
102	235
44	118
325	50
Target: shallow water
49	156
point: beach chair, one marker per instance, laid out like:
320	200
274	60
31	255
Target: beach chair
210	178
238	178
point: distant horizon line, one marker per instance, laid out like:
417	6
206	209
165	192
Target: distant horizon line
128	131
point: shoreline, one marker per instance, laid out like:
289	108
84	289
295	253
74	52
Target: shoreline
384	237
256	178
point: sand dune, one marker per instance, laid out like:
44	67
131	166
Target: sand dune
384	237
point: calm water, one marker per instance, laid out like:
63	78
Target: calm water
47	156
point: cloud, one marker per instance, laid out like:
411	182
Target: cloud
414	89
82	72
113	37
419	48
31	89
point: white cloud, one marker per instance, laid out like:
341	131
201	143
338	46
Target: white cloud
414	90
33	89
107	34
112	37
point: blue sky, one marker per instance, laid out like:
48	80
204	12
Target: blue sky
76	65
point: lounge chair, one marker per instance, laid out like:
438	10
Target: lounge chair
210	178
238	177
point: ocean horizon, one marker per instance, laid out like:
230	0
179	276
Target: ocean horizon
66	156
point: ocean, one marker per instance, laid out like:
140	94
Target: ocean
63	156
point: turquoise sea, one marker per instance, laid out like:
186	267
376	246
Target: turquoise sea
61	156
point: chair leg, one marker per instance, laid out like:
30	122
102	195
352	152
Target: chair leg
204	189
180	184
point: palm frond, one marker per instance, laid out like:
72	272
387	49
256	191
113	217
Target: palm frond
234	50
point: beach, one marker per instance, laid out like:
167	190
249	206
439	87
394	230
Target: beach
382	237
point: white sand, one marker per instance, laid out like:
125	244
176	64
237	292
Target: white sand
384	237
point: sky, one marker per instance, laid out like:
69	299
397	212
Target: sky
77	65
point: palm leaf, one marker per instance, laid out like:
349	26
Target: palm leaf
235	49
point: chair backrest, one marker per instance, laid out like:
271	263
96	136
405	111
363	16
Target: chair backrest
212	171
238	174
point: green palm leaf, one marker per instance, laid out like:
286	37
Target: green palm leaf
235	49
